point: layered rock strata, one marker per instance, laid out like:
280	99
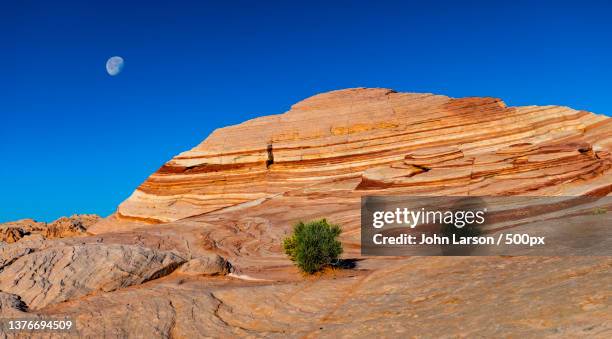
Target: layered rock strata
424	142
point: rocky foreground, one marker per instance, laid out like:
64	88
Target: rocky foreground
195	250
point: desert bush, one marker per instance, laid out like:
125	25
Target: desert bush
313	245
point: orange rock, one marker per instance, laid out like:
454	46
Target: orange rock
63	227
357	133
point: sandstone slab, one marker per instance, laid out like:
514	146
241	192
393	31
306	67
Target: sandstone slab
60	273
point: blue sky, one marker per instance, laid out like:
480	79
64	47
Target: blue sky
75	140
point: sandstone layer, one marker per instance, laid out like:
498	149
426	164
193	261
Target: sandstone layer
233	198
430	144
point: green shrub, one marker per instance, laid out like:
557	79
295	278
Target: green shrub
313	245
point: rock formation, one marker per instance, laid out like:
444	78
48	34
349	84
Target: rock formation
429	144
63	227
57	274
210	264
156	268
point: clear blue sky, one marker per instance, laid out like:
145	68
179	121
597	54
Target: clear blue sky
75	140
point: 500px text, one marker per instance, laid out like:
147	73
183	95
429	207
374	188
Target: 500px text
435	239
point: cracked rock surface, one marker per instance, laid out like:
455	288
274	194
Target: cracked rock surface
60	273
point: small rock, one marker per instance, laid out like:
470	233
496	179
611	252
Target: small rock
210	264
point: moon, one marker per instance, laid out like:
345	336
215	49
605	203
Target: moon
114	65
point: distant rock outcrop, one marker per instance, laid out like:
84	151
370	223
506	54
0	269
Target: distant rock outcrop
63	227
